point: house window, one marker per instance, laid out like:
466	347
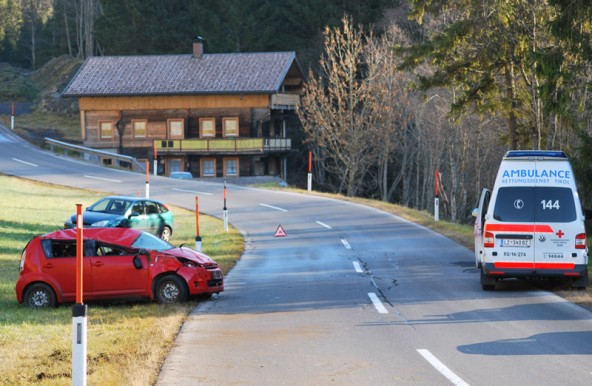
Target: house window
175	165
208	167
230	127
231	167
106	130
176	128
207	127
139	128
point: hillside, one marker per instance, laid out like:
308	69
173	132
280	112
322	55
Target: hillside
41	112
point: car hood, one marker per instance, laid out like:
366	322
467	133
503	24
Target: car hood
93	217
193	255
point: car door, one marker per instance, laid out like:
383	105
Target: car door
60	265
515	226
154	217
117	272
556	227
138	218
479	214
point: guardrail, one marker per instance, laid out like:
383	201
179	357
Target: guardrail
99	157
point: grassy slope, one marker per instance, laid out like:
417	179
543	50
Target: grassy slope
35	345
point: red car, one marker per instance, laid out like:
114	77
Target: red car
118	263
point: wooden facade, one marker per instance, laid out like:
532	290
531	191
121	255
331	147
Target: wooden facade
214	115
255	120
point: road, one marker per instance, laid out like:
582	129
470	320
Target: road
351	296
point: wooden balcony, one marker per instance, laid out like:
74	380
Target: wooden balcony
223	145
285	101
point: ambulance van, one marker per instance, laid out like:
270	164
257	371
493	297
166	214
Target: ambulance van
531	224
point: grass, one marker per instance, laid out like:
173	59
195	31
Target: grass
127	341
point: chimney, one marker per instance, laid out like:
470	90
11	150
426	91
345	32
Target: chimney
198	47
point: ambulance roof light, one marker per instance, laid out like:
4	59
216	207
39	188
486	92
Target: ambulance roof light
535	154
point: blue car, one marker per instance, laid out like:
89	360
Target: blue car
128	212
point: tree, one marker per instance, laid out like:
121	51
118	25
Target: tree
391	109
10	26
334	113
489	48
36	13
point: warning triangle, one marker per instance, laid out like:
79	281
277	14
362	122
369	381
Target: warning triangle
280	232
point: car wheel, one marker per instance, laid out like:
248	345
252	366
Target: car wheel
487	282
170	289
166	233
39	295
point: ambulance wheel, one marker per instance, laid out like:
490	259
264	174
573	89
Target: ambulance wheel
581	283
487	282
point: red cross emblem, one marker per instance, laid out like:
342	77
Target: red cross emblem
560	233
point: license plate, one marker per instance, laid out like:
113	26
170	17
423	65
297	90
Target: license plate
520	243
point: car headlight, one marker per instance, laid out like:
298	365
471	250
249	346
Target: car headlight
103	223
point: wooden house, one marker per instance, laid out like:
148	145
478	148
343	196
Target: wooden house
215	115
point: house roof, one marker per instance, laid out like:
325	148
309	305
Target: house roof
234	73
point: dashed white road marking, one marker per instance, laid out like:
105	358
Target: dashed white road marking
24	162
357	267
377	303
101	178
441	367
323	224
193	191
274	207
345	244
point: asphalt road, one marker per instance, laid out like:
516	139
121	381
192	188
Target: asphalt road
351	296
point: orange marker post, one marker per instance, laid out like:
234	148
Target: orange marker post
225	209
79	310
197	236
147	179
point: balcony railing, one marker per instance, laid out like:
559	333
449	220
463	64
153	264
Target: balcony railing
285	101
223	145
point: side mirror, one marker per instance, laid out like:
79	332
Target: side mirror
133	214
475	212
137	262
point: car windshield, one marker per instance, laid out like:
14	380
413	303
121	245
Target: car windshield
149	241
110	205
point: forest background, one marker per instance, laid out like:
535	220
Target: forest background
398	92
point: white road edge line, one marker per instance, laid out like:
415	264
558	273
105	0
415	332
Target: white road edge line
377	303
274	207
345	244
101	178
323	224
445	371
192	191
24	162
357	267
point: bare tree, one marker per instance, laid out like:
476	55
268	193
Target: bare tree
390	104
336	118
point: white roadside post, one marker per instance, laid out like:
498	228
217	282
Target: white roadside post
155	171
12	117
79	312
309	171
437	200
